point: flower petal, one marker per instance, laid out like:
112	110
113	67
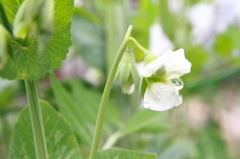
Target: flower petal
168	66
160	96
124	73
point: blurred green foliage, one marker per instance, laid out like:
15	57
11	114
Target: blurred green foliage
91	43
98	27
121	153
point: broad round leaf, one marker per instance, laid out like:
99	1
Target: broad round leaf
27	63
61	143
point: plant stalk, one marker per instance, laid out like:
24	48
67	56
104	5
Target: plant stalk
36	120
138	45
105	96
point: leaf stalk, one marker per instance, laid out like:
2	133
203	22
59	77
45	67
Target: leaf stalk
36	120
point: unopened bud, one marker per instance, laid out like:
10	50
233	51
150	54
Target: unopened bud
128	73
46	23
5	49
34	19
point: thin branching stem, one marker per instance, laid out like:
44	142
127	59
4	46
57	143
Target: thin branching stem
138	45
105	96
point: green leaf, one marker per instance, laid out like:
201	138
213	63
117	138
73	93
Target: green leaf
228	41
116	23
112	115
61	142
215	78
28	63
177	150
8	90
81	109
167	18
224	44
25	63
88	38
145	16
71	111
116	153
197	56
234	33
215	147
145	119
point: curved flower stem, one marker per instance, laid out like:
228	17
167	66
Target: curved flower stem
138	45
36	120
105	96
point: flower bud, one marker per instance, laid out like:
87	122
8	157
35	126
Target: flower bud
34	19
46	23
5	48
128	73
26	16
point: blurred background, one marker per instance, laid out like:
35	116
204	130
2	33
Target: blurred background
205	126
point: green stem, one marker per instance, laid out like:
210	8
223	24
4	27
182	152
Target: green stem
5	19
106	92
112	140
138	45
36	120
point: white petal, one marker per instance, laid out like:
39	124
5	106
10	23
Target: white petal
170	65
161	96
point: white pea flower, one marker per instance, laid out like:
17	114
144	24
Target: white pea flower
161	82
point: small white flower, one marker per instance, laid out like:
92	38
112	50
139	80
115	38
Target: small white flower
161	82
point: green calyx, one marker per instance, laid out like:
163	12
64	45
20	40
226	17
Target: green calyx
149	57
127	72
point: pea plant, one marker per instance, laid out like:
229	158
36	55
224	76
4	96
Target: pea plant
34	39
